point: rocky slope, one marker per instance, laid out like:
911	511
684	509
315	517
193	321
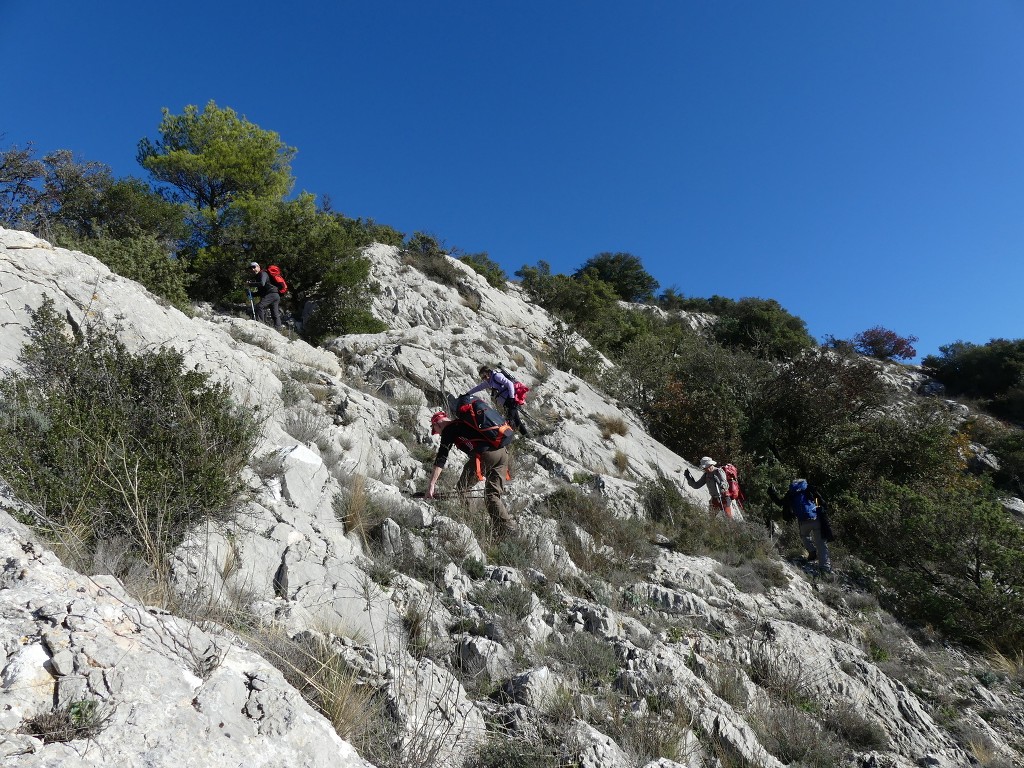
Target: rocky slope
562	643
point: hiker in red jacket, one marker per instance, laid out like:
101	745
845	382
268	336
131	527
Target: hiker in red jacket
270	296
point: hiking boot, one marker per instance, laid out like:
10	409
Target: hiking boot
523	431
505	527
812	558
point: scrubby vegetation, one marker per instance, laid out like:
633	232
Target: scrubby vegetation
107	445
757	390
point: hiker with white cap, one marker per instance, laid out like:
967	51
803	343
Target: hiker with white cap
269	293
717	484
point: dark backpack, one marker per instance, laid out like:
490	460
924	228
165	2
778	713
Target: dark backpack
518	387
732	477
492	430
278	278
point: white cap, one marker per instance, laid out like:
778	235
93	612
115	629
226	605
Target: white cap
706	462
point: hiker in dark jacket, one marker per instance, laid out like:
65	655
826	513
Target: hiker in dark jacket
806	505
717	484
270	296
487	464
503	391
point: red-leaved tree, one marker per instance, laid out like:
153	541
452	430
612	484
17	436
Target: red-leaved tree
885	344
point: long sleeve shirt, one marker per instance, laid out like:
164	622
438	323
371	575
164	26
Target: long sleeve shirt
500	384
716	482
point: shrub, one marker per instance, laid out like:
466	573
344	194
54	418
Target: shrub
491	270
793	737
513	753
82	719
624	272
589	659
884	344
143	259
426	254
992	372
763	327
610	425
115	444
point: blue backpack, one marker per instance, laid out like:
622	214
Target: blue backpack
801	502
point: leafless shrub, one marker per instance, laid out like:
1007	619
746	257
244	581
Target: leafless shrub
860	732
730	685
306	426
621	462
794	737
82	719
785	678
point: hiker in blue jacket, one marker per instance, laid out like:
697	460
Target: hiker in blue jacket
503	390
804	503
270	296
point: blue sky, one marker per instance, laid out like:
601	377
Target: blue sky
860	162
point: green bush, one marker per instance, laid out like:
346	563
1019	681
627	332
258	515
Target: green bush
107	443
490	269
992	372
624	272
763	327
426	254
143	259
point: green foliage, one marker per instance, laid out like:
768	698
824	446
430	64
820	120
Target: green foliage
993	373
367	231
692	394
142	259
19	171
61	198
214	157
624	272
807	411
490	269
587	304
426	253
1009	447
951	556
319	253
763	327
112	444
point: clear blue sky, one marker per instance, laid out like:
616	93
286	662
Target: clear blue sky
860	162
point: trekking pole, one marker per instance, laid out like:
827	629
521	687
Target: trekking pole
449	495
251	305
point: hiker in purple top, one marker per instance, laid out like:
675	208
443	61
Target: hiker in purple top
503	390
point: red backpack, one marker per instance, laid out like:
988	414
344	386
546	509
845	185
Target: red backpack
732	476
278	278
518	387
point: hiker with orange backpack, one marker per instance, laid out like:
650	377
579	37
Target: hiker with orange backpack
717	483
479	431
269	287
